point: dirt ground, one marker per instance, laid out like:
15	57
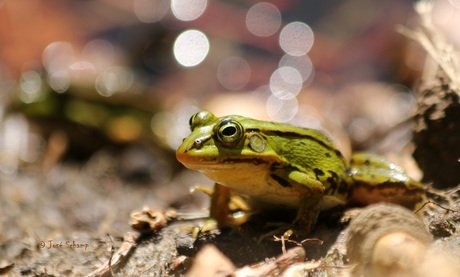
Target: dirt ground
72	220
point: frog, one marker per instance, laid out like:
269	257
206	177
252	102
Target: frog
287	167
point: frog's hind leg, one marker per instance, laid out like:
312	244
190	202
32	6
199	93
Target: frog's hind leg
373	161
378	180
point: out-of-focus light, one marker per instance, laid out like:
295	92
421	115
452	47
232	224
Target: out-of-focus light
57	59
13	140
401	105
30	84
188	10
286	82
191	48
124	128
303	64
281	109
59	81
296	38
32	148
58	56
82	73
114	79
263	19
172	127
149	11
233	73
100	53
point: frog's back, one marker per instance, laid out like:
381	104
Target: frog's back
313	153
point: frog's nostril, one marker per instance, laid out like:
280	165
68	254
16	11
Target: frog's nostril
198	143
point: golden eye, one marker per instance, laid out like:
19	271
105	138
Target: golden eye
229	132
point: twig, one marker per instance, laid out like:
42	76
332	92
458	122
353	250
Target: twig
434	44
436	204
129	242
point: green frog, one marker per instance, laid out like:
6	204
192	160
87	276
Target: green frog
286	167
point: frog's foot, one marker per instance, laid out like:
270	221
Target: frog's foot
228	209
206	190
208	226
303	224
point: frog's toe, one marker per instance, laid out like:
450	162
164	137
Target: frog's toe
210	225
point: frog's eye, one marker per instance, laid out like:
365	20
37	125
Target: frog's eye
229	132
200	119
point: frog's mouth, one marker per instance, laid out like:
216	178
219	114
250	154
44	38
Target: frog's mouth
219	163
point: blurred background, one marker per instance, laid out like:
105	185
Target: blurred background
77	76
95	95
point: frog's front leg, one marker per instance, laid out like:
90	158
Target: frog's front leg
312	192
228	208
310	205
307	214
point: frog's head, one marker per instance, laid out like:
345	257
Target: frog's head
220	141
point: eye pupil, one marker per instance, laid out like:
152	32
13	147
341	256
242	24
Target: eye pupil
229	131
